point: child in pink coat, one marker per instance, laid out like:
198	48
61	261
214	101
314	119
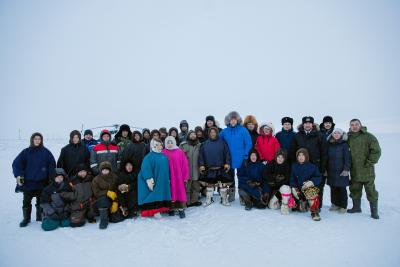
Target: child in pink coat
179	175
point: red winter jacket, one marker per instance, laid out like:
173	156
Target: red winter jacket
267	146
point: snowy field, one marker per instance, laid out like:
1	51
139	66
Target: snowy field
213	236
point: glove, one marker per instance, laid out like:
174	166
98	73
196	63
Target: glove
265	162
114	207
150	183
307	184
344	173
296	193
20	180
227	167
202	169
123	188
111	194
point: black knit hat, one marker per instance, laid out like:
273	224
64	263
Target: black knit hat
307	119
210	118
88	131
287	119
327	119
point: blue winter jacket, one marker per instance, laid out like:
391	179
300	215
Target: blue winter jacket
239	143
304	172
36	165
339	159
252	172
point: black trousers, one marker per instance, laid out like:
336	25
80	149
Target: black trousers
28	196
339	196
321	190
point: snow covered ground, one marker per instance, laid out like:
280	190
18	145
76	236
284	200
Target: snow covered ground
213	236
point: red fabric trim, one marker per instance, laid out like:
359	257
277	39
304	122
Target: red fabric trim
150	213
101	147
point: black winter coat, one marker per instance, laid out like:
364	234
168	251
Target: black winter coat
71	156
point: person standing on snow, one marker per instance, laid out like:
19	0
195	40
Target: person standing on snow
32	169
239	142
365	153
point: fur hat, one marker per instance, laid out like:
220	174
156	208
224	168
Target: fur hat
287	119
267	125
105	165
183	123
250	119
304	152
210	118
33	136
307	119
327	119
153	145
343	134
233	115
137	133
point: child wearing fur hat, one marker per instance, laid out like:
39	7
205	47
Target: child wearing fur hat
210	122
253	191
267	145
338	169
154	189
179	175
277	176
123	137
127	189
104	188
251	124
304	180
55	208
286	135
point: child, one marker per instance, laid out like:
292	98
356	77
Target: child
277	175
267	145
55	208
304	181
252	190
127	190
104	188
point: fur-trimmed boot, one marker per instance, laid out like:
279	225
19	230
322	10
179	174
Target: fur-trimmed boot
224	196
209	196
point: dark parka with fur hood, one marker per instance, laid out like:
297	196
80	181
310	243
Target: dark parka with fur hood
73	154
339	159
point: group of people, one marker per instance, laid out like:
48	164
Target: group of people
150	173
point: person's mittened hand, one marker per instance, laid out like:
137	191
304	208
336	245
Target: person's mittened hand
123	188
150	184
202	169
114	207
111	194
265	162
345	173
20	180
227	167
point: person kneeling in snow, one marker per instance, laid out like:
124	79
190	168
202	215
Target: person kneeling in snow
277	175
104	188
214	162
154	190
80	197
252	190
304	180
127	189
56	210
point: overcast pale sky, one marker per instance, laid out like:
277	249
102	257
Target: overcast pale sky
153	63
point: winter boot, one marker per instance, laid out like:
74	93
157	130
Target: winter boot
195	204
103	218
171	213
209	196
374	209
231	194
38	213
26	212
334	208
248	204
181	213
315	216
224	196
356	206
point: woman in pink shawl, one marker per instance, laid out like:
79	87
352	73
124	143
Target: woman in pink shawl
179	175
